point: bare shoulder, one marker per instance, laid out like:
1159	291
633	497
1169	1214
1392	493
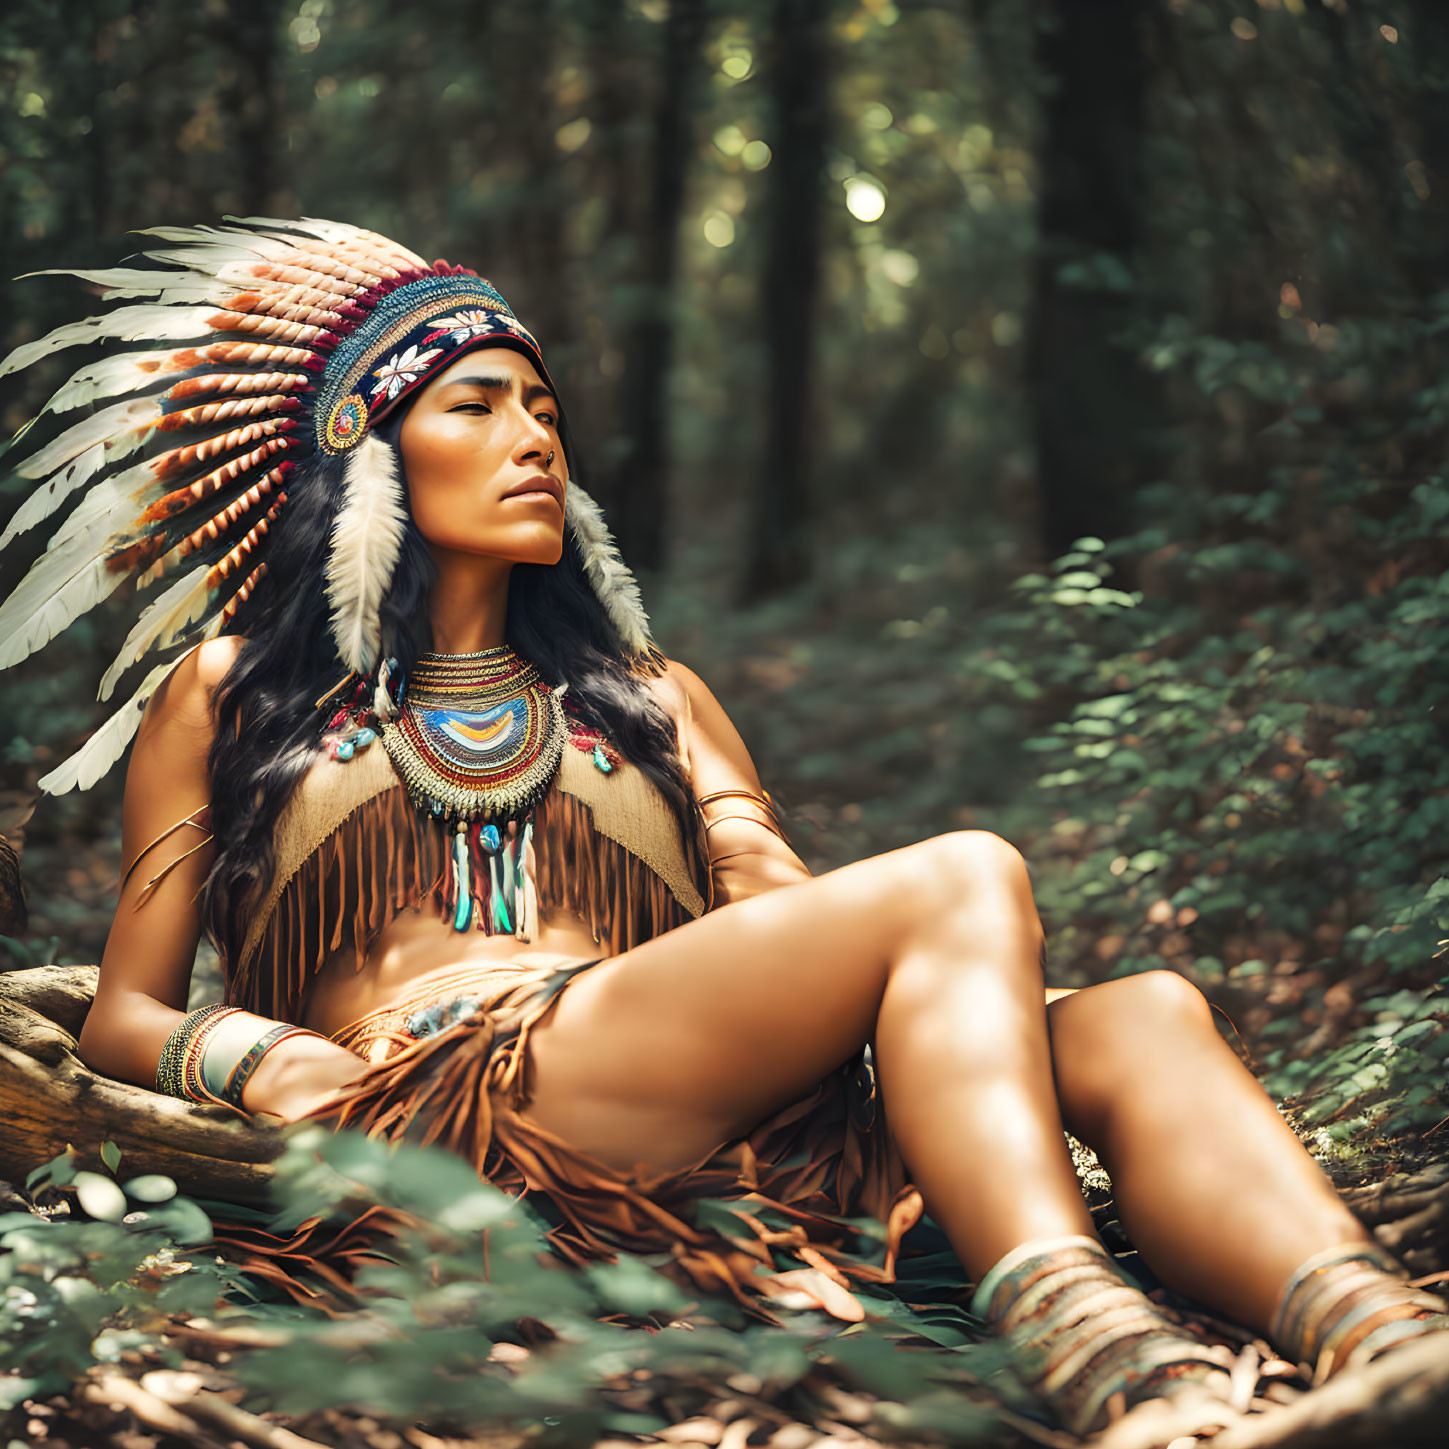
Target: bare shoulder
183	702
214	659
677	683
679	691
711	744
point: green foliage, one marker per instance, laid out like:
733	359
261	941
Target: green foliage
82	1289
1219	735
470	1272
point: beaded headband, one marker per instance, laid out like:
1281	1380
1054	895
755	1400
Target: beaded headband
261	349
411	332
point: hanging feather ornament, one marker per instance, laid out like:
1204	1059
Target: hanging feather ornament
252	350
608	575
366	540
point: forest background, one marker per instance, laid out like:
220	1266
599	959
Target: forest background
1026	416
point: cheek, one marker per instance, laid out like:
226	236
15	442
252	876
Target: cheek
439	479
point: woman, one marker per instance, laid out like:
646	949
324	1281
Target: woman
483	866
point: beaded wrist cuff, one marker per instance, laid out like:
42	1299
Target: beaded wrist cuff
241	1073
177	1071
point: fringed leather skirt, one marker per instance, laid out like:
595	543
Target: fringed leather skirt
450	1066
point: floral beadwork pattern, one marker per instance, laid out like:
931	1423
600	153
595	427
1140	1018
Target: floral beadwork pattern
403	369
471	323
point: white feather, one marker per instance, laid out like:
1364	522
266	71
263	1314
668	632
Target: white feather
381	249
366	538
108	743
108	377
54	491
45	603
108	505
608	575
162	623
122	427
188	286
79	467
154	322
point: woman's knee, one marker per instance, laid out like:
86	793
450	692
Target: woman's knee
1114	1019
975	872
1106	1036
962	861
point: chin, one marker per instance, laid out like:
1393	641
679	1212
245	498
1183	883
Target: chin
545	550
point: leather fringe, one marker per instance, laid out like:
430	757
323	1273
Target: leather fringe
386	857
621	900
795	1181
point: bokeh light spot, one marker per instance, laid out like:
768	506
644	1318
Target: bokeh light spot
730	140
864	200
1006	329
933	344
572	134
719	229
900	267
756	155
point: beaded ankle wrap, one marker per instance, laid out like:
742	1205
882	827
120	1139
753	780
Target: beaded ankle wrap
1083	1333
1348	1304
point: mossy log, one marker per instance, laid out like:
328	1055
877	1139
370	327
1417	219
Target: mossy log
50	1100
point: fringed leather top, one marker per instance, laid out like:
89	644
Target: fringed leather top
352	853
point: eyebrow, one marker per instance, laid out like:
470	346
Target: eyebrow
500	383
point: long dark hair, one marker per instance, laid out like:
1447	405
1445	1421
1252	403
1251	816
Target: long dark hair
268	726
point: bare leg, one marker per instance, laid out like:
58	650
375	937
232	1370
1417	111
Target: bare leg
965	1072
1212	1186
693	1038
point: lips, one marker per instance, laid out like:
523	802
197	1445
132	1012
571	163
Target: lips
539	483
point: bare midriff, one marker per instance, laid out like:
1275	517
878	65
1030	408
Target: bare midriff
417	945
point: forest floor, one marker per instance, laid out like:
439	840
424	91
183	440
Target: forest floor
186	1384
183	1389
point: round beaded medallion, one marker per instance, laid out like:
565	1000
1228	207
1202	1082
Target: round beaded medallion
479	736
346	423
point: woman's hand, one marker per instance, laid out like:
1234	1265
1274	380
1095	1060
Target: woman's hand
298	1075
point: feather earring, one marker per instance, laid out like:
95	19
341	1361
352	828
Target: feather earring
366	540
608	575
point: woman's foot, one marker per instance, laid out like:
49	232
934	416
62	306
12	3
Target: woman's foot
1089	1343
1347	1305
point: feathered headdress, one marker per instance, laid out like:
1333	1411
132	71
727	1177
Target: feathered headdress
263	345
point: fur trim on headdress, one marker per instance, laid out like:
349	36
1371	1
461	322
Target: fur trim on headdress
366	539
612	582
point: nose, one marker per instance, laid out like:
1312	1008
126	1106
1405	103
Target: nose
534	439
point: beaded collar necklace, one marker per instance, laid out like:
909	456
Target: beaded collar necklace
478	738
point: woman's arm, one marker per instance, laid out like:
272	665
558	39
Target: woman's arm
748	853
167	847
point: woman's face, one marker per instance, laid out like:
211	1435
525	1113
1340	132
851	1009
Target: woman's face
475	448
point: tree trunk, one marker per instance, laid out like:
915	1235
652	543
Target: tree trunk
248	36
778	545
1092	402
642	473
